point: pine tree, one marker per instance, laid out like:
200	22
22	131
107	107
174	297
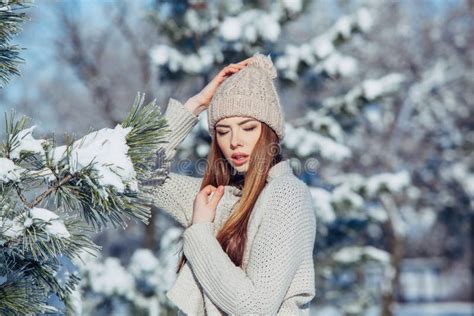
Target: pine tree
12	15
54	197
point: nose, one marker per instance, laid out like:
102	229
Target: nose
235	140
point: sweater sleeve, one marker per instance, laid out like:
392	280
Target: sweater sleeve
180	121
285	236
175	195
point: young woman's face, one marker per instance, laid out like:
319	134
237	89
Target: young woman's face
238	135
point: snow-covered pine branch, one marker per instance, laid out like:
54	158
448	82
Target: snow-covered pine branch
242	31
355	206
369	90
11	19
305	142
46	192
232	26
321	52
319	133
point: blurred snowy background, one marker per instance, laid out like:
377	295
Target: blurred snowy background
378	97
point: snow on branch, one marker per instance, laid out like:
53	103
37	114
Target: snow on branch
305	142
368	90
52	199
229	26
321	51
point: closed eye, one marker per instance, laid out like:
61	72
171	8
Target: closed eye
245	129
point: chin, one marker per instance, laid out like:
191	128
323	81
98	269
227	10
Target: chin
242	168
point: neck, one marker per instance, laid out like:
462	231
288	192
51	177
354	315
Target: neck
238	179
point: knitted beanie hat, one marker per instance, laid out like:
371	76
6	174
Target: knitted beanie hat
249	92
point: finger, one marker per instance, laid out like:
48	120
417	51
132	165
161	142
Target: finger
229	69
208	189
233	68
226	71
236	65
217	196
230	72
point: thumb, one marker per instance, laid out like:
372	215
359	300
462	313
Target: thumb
217	196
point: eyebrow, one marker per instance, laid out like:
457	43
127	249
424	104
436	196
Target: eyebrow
243	122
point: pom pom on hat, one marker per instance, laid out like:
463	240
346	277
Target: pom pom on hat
265	63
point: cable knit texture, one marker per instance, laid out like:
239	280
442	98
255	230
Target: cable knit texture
277	274
249	92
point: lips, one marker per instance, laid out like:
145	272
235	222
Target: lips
239	158
238	155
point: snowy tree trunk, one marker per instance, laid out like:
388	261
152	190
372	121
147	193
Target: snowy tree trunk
396	247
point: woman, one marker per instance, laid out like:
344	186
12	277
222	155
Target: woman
249	222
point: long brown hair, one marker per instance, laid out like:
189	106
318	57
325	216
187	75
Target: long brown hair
266	153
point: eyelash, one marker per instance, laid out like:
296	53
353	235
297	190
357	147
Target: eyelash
245	129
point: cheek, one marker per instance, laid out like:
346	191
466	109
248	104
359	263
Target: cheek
223	145
254	136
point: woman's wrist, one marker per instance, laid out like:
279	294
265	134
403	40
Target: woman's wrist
194	106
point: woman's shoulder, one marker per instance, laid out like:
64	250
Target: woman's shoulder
288	186
289	202
288	193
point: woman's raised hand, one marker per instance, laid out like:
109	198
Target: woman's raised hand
200	101
204	209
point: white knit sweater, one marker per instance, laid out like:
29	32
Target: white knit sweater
278	270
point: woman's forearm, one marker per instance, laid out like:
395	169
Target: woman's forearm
194	106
